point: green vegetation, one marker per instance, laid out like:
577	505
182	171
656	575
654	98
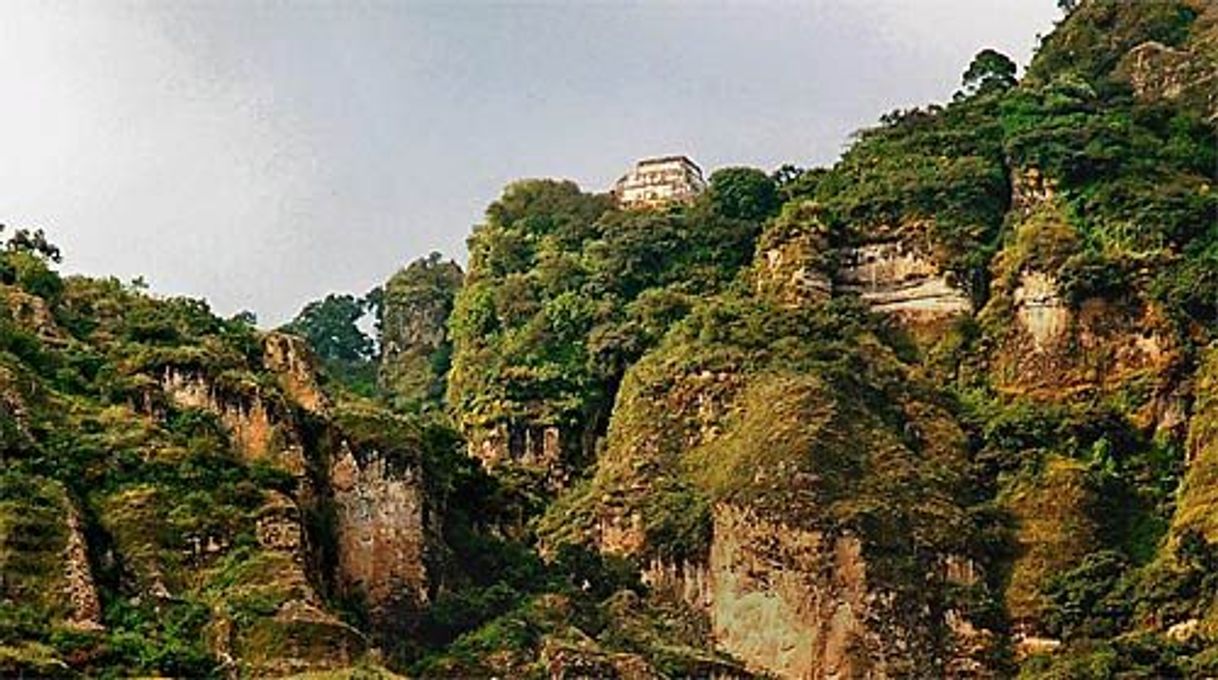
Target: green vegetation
415	348
161	495
1056	449
564	292
331	326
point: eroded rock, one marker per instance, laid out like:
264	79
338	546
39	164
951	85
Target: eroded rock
80	586
794	603
257	429
897	279
295	367
1158	72
381	537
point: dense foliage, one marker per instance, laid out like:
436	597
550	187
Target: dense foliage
415	350
332	327
564	292
1072	466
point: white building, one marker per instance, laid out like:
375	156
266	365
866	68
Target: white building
657	181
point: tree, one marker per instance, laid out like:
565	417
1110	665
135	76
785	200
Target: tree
990	71
794	182
743	193
332	327
246	318
26	241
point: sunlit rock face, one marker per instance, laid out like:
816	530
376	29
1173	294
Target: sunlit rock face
295	369
797	603
1041	312
1051	346
904	283
255	426
381	537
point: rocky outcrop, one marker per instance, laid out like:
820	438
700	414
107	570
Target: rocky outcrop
793	258
78	573
300	635
1030	191
1158	72
292	362
257	427
44	557
1040	310
1100	343
381	534
897	279
414	331
31	312
787	276
796	603
529	444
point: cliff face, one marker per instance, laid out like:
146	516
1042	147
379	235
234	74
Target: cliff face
1185	74
178	488
415	346
896	275
794	603
894	278
292	363
380	510
258	429
751	484
950	411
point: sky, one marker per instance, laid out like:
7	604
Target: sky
262	154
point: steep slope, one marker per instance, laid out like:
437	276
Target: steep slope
174	497
784	474
945	409
563	292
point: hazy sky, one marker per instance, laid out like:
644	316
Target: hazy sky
262	154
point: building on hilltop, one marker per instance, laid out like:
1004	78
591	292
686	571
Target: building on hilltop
658	181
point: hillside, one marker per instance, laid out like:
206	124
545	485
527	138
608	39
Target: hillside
947	408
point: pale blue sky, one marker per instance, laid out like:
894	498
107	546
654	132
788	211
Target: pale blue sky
262	154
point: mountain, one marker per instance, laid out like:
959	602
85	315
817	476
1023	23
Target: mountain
948	408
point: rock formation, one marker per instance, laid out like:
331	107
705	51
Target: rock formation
381	535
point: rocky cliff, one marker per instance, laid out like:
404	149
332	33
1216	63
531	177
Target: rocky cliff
946	408
182	496
415	345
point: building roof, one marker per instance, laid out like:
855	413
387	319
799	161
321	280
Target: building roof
667	159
